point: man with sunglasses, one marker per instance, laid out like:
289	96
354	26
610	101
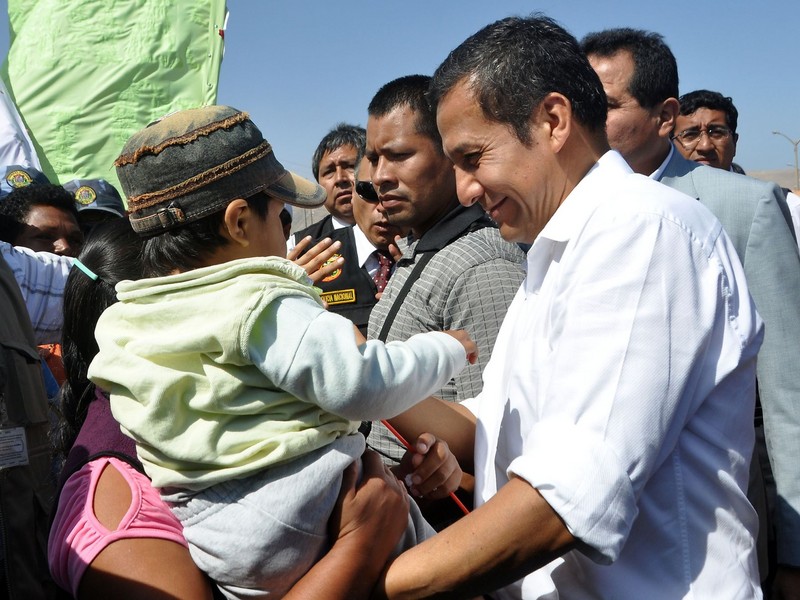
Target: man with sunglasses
640	77
354	288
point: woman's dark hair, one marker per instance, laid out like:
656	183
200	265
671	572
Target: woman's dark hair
113	251
184	248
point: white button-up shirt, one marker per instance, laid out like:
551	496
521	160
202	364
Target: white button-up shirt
621	387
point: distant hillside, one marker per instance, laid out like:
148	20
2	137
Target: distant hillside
783	177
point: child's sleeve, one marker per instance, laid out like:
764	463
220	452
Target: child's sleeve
312	354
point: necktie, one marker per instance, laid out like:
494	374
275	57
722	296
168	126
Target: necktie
381	276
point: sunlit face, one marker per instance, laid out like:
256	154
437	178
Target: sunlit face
370	216
336	176
634	131
716	150
51	229
412	176
512	181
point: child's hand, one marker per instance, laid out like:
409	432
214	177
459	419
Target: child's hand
316	261
429	469
470	347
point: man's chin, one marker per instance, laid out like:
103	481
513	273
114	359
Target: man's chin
707	162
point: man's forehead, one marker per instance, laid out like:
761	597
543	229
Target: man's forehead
703	116
345	152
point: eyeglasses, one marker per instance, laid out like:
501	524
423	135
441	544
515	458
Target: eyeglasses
689	138
366	190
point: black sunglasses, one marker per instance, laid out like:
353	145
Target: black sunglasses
366	190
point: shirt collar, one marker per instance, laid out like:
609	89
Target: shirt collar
339	224
659	172
364	248
451	226
570	217
573	210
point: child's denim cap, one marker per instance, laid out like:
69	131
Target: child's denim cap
95	194
193	163
17	176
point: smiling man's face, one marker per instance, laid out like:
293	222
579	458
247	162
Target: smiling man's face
512	181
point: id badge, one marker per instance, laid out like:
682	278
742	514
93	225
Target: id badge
13	447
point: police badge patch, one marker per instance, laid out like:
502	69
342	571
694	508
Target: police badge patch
85	195
337	272
18	179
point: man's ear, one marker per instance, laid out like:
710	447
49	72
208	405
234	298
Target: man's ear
667	114
235	222
555	111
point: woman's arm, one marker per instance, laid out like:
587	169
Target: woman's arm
139	568
369	519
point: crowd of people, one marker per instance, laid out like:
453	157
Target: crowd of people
541	346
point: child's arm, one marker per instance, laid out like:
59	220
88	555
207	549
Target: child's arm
314	355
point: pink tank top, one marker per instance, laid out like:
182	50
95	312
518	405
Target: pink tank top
77	537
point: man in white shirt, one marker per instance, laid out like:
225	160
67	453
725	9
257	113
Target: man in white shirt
612	437
640	76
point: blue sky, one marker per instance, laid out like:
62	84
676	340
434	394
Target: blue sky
301	66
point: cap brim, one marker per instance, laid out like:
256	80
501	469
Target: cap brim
113	211
297	191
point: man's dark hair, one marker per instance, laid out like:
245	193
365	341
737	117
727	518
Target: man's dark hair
15	207
512	64
655	72
411	91
343	134
187	246
693	101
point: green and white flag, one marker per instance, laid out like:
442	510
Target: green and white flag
86	74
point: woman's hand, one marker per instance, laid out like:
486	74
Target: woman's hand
376	509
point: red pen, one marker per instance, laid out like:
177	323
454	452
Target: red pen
405	443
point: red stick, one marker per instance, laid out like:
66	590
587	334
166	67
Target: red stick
405	443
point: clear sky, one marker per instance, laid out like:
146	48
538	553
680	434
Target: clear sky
301	66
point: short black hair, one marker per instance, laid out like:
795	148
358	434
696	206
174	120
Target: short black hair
15	207
186	247
693	101
411	91
343	134
512	64
655	71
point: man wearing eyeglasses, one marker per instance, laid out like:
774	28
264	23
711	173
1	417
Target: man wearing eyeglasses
705	129
706	133
640	78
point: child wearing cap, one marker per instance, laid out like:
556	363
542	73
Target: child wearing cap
242	393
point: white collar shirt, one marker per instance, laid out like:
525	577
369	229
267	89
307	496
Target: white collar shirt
621	387
659	172
365	252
